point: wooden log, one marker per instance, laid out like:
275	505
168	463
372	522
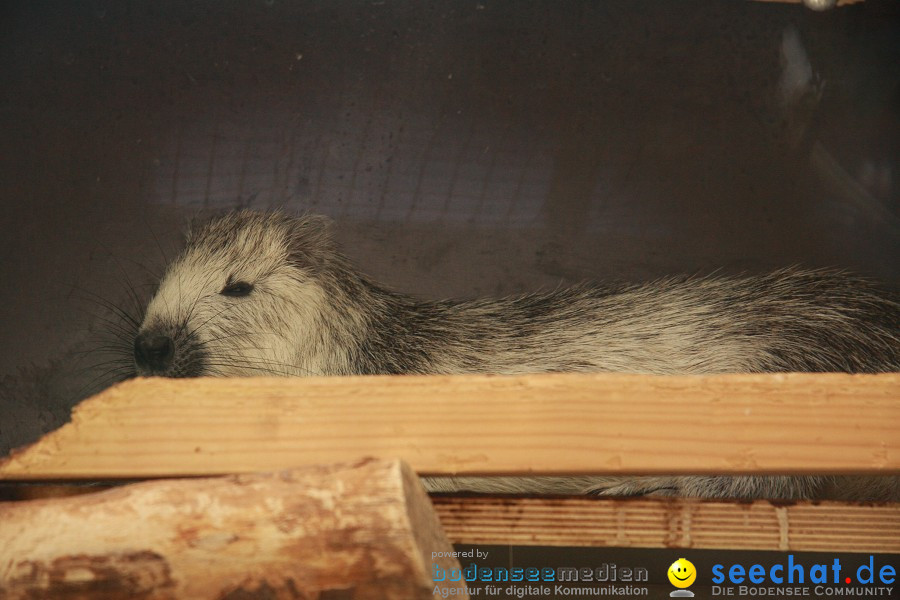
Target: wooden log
671	523
361	531
647	522
480	424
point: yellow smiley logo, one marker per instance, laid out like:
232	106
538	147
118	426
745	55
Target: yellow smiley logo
682	573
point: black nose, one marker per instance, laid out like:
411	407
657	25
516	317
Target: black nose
153	352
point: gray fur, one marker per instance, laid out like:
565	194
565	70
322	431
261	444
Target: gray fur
311	313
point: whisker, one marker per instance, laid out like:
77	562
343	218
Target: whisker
257	364
109	305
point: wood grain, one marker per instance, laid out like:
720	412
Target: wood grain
543	424
671	523
364	531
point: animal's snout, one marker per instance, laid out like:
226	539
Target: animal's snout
153	352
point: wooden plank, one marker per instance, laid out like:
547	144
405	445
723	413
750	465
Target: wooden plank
363	531
543	424
671	523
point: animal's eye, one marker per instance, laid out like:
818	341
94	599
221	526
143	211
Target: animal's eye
237	288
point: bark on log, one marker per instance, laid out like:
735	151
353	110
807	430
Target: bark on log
361	531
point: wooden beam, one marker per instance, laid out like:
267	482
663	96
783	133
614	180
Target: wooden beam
362	531
538	424
671	523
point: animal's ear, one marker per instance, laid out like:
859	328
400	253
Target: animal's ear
310	240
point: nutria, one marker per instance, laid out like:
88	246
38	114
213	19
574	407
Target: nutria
269	294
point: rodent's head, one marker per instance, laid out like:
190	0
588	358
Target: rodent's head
245	297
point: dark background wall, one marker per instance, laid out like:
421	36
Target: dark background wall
463	148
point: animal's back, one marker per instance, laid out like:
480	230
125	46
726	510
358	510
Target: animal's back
791	320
